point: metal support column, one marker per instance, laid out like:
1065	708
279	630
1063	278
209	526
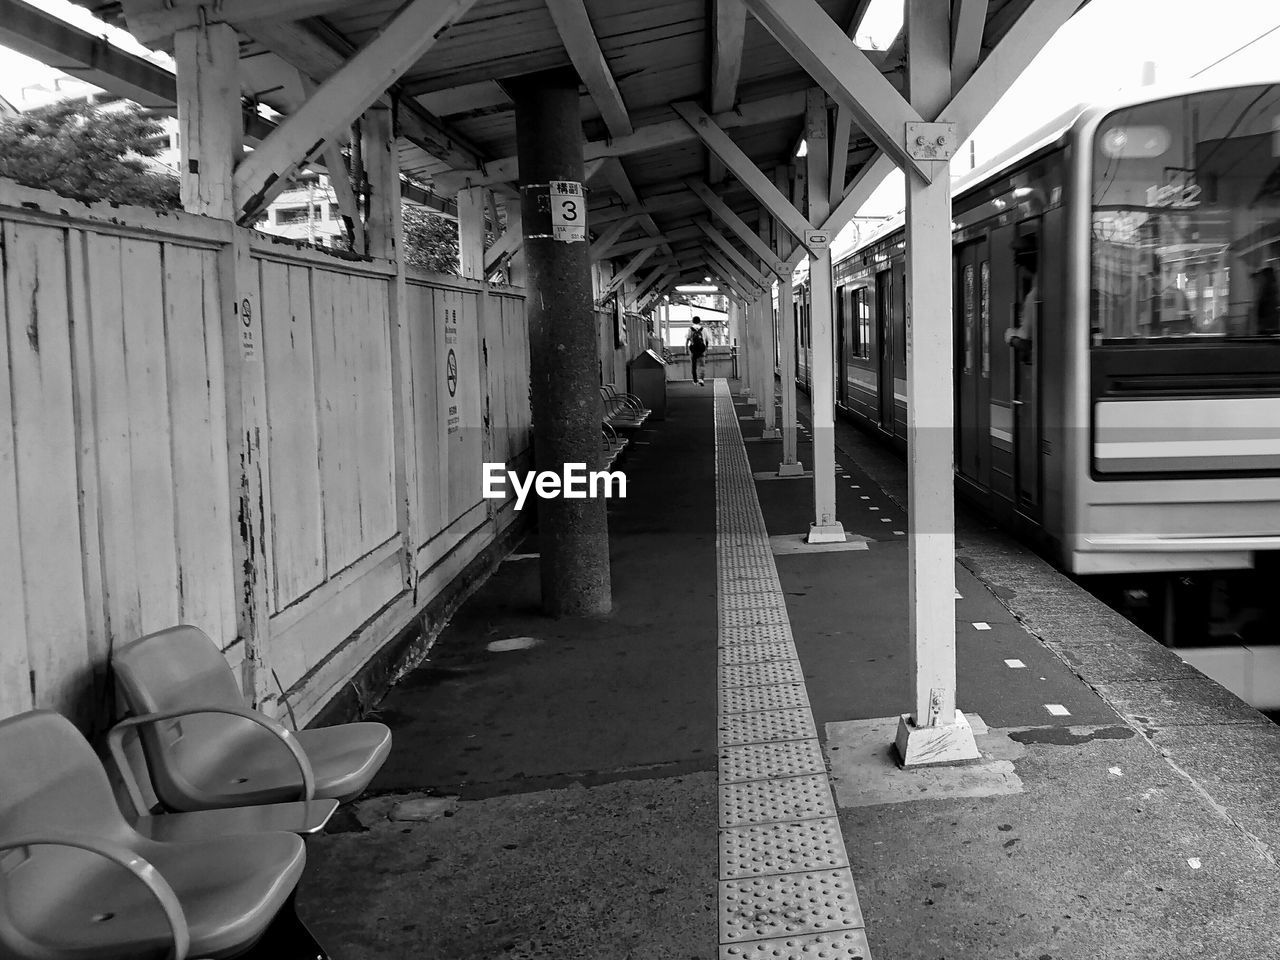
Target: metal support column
564	380
825	527
768	408
936	732
790	465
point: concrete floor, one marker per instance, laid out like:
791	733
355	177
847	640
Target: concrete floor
1142	823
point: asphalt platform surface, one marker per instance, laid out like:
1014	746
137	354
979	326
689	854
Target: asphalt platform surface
556	779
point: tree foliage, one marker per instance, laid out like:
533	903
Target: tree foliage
82	151
430	241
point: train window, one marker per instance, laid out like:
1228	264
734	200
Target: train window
984	310
1186	238
969	316
862	323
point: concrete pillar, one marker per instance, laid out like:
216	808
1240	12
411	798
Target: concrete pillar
825	527
564	382
471	210
738	322
935	732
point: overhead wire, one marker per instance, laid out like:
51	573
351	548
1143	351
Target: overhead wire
1238	49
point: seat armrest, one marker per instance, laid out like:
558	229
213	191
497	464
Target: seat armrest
115	744
122	856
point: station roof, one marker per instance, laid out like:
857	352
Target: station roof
456	118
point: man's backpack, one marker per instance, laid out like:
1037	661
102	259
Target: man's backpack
697	344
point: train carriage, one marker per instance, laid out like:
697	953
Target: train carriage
1117	354
1117	333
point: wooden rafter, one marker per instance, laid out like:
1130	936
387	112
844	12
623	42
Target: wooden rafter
600	247
834	61
580	42
735	223
621	277
743	167
154	22
340	99
732	253
654	136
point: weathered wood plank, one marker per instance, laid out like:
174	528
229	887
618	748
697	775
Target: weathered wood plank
15	687
111	410
293	437
44	456
201	516
151	474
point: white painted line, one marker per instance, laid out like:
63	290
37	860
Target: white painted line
898	533
1015	665
1057	709
864	498
979	625
886	519
873	508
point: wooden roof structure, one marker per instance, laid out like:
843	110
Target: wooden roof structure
651	73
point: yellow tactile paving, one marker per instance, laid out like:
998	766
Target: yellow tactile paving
785	885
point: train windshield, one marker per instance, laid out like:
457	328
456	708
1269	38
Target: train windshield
1186	218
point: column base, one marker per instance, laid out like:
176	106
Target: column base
770	433
932	746
827	533
791	469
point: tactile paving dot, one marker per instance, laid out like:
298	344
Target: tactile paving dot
753	616
812	902
756	633
840	945
761	761
763	849
774	696
765	801
758	674
758	652
766	726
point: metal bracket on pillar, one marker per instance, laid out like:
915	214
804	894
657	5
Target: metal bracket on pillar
931	141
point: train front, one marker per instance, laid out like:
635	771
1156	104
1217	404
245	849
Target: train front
1175	424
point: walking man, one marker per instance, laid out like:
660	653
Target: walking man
696	342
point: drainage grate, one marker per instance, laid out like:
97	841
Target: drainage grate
767	726
760	761
765	801
810	902
770	848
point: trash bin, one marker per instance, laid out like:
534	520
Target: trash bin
647	376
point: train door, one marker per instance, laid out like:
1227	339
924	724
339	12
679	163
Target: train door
884	346
843	315
973	360
1026	346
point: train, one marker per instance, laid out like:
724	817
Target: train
1117	342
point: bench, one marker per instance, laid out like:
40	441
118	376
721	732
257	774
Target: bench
76	880
206	751
622	410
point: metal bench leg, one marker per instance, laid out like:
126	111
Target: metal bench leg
286	939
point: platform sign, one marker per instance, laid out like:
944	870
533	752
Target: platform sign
568	212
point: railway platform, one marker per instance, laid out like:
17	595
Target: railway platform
707	773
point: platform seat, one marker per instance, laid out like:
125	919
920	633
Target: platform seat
205	750
612	444
621	411
78	883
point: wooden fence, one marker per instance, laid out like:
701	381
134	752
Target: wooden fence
117	516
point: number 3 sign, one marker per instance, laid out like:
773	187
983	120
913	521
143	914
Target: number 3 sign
568	212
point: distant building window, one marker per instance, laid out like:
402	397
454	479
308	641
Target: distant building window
297	214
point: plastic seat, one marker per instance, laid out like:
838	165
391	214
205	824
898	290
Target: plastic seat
205	750
78	883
